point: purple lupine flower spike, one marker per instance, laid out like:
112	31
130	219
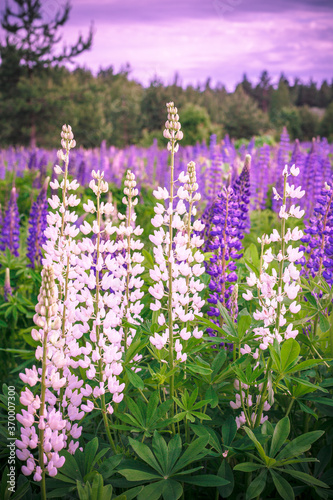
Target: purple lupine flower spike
10	236
37	226
225	246
241	188
318	253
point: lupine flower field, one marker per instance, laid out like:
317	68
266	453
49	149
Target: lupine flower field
166	320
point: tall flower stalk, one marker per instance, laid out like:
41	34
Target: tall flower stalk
173	133
275	291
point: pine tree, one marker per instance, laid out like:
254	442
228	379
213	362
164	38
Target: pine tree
30	48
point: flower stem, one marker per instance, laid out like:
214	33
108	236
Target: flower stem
170	277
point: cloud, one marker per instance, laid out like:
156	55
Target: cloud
299	43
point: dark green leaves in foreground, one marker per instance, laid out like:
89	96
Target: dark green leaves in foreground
163	466
281	459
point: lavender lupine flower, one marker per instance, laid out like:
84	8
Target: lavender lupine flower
10	235
318	256
226	245
260	179
7	288
37	225
241	187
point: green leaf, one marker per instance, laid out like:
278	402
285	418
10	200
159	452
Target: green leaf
307	383
305	365
248	467
323	323
228	321
138	475
145	454
299	445
198	370
225	471
130	494
161	450
70	468
306	478
229	429
172	490
134	379
257	486
152	491
107	468
192	453
260	449
243	325
204	480
283	487
281	432
212	396
89	454
218	361
289	353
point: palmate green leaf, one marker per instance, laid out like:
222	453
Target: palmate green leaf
145	453
305	478
324	324
70	468
134	379
305	365
152	406
283	487
89	454
228	321
243	325
198	370
212	396
152	491
204	480
99	491
219	361
307	383
299	445
225	471
172	490
281	432
130	494
195	451
138	475
306	409
229	430
107	468
257	486
210	324
174	451
289	353
160	449
256	443
248	467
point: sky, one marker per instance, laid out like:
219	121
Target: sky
220	39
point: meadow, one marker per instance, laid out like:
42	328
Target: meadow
166	320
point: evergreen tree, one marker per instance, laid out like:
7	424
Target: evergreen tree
29	50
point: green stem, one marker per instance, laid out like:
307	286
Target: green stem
172	381
290	407
100	366
42	407
128	271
